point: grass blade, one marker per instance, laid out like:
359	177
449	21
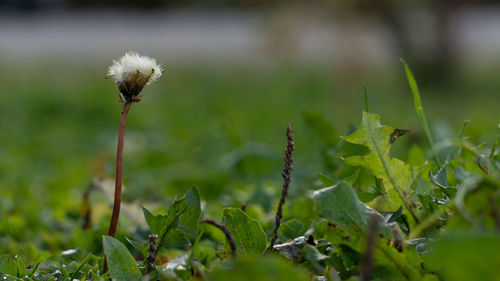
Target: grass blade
420	110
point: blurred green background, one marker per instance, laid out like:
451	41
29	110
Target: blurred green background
212	121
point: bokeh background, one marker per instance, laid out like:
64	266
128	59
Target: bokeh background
236	72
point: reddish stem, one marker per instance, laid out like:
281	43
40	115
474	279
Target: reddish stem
119	172
119	175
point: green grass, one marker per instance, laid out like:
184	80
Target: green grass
219	128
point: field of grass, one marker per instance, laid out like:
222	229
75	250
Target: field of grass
220	129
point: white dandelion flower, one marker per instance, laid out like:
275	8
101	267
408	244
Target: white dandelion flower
132	72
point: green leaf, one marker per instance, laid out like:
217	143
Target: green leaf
121	264
167	226
366	196
390	264
312	254
141	247
189	219
176	238
440	178
395	174
290	229
154	222
341	206
248	234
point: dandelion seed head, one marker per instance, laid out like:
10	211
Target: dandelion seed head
132	72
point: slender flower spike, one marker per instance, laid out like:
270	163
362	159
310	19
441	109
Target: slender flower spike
131	73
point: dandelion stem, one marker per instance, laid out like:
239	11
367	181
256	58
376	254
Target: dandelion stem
119	172
118	178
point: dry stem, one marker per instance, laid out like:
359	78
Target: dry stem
287	171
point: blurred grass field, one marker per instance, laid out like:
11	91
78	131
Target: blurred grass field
220	128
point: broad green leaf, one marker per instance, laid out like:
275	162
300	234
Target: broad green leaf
340	204
248	234
167	226
189	219
121	264
176	238
268	268
396	175
154	222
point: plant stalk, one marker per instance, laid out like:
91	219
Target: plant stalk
287	172
118	178
119	172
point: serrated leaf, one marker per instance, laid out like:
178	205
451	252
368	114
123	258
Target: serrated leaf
396	175
248	234
341	206
166	226
189	219
176	238
121	264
